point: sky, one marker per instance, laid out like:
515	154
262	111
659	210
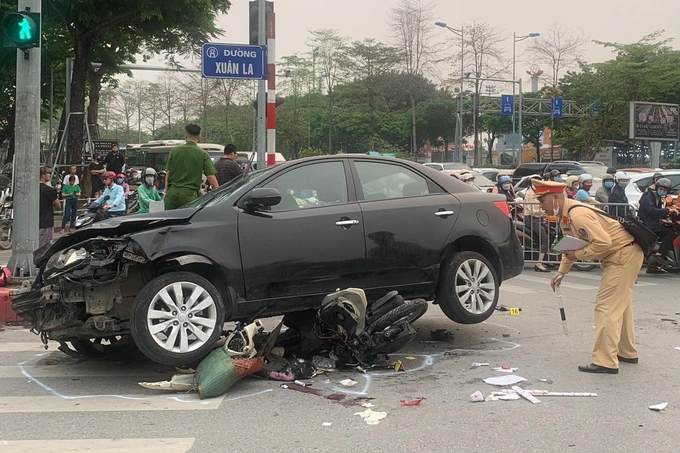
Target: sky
603	20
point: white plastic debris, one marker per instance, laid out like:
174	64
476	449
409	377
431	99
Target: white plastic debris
504	380
326	424
505	369
348	383
509	397
659	407
179	382
371	417
477	365
369	405
477	397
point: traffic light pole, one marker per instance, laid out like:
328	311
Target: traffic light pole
262	90
26	169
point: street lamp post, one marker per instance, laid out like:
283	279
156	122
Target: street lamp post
515	40
460	33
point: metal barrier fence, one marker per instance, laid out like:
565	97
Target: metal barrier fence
538	232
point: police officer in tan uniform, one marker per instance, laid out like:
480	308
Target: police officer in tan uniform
621	260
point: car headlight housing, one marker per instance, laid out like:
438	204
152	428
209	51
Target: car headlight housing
67	259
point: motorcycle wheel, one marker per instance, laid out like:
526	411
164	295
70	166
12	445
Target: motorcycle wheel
5	235
409	311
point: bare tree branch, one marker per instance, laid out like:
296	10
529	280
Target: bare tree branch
560	48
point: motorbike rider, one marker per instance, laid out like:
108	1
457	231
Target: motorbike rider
120	180
468	178
618	195
652	185
115	205
553	175
505	188
147	192
652	211
573	186
602	195
585	182
534	217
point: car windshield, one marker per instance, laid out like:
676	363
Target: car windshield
219	195
595	170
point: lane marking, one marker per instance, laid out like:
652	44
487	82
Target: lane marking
161	445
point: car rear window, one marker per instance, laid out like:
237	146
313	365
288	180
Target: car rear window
528	169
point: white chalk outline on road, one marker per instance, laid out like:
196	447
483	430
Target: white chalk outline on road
160	445
75	370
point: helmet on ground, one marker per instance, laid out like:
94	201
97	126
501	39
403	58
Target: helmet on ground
584	177
5	276
665	183
621	175
149	171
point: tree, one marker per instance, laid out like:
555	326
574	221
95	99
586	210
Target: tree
485	58
560	48
494	126
411	22
367	61
329	46
437	120
178	26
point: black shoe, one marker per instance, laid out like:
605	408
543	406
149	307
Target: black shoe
592	368
627	360
538	269
655	270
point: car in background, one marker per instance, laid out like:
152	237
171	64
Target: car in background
492	173
275	241
524	183
447	167
639	170
567	168
639	183
243	157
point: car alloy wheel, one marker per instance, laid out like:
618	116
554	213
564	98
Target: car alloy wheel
468	288
177	318
475	286
182	317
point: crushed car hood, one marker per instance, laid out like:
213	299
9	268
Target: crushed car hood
117	226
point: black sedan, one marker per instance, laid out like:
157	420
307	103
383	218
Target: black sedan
271	242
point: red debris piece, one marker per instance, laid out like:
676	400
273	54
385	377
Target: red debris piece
412	403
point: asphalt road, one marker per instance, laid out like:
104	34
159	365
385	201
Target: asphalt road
50	402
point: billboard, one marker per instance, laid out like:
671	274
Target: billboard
654	121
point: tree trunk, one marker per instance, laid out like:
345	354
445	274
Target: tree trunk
96	77
413	124
76	129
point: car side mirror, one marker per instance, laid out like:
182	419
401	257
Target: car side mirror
263	197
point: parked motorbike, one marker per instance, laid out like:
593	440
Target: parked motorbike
6	222
95	213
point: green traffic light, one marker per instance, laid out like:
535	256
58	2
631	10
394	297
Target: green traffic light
25	30
21	29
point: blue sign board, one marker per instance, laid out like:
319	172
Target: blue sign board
233	61
507	105
557	107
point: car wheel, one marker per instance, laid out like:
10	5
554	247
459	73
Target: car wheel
177	318
468	288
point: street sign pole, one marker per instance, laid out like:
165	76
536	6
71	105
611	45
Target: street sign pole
26	171
261	89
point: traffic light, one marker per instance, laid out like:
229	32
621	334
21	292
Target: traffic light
21	29
253	9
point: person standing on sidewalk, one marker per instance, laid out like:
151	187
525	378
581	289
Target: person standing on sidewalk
48	201
621	259
70	193
226	166
96	172
114	161
186	166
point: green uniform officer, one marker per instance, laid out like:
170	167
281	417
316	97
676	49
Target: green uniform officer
186	166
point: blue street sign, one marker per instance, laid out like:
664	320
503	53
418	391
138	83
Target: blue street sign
557	107
233	61
507	105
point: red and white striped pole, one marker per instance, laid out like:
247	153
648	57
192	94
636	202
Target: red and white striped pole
271	89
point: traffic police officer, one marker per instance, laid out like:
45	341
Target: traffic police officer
621	260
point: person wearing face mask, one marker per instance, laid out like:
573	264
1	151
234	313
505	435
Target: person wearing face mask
618	201
602	194
572	186
585	182
505	188
120	180
468	178
652	187
652	211
147	192
608	241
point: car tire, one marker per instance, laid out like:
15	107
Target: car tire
165	318
461	296
409	311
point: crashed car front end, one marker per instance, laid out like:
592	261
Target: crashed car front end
85	290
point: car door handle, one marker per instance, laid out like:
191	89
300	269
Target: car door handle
346	223
443	213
